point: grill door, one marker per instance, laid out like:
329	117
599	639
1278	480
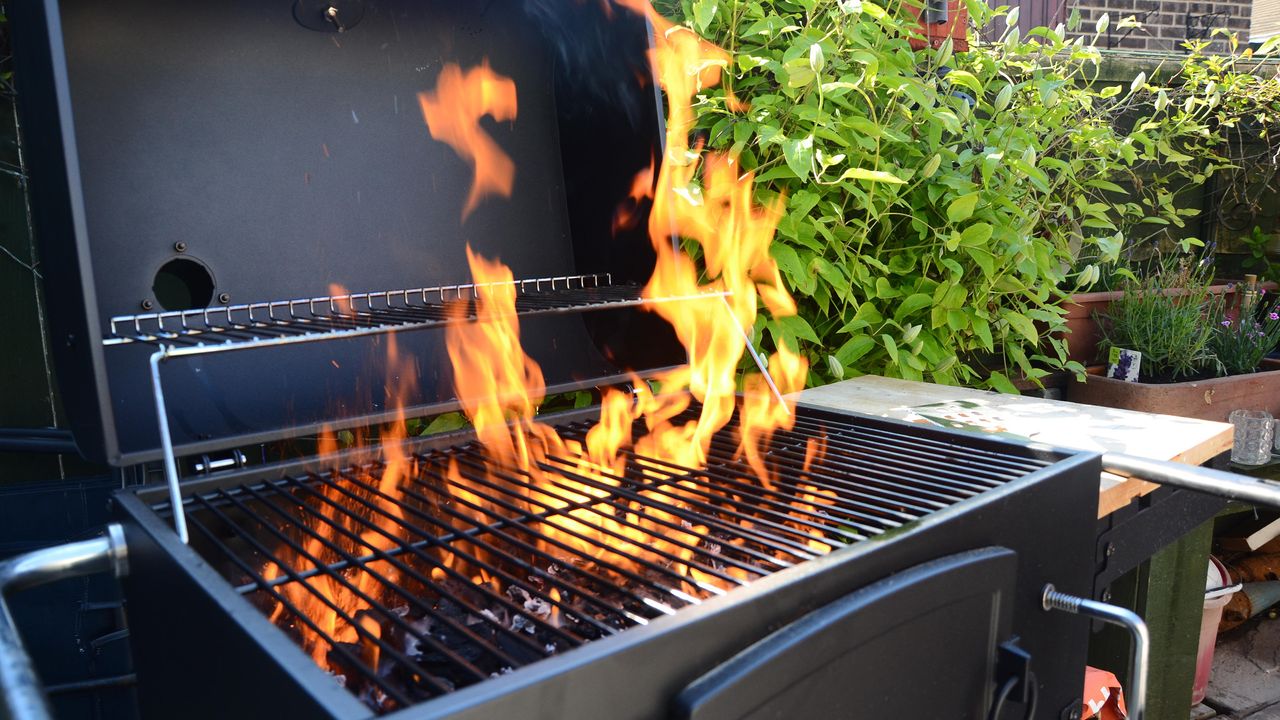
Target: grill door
920	644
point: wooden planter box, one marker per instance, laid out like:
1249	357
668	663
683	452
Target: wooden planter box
1203	399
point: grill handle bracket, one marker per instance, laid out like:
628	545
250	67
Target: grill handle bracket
1228	485
22	697
1139	663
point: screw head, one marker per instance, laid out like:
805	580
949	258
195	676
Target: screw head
180	246
1110	549
147	304
224	298
1106	596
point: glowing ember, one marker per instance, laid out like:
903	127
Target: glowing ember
453	113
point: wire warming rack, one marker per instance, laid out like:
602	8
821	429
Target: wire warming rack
307	319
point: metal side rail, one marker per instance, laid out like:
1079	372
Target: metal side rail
1140	661
21	695
1256	491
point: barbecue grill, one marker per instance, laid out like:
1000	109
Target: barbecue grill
201	174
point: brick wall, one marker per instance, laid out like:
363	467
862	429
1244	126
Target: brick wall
1164	22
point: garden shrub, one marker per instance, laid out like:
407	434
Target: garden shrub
937	201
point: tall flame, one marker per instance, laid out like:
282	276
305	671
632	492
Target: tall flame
452	113
703	198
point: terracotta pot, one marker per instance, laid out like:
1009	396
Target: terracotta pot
1083	332
1203	399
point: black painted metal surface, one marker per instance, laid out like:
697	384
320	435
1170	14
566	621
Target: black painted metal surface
276	159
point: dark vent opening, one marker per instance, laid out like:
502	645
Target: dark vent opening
183	284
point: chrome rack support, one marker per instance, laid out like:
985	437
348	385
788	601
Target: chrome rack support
1252	490
166	446
755	355
1136	697
21	695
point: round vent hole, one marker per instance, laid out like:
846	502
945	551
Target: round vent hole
183	284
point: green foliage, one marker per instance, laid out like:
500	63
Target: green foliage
937	201
1241	339
1167	316
1259	260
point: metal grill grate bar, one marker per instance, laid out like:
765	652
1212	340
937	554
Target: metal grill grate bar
456	569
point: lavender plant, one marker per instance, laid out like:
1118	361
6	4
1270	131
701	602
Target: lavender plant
1240	340
1164	315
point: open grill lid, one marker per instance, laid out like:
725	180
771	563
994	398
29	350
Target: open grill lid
232	157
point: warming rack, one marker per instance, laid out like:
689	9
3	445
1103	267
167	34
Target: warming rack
206	331
309	319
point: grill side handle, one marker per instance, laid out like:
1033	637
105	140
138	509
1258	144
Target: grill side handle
22	696
1228	485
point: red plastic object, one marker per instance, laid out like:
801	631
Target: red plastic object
1103	698
955	27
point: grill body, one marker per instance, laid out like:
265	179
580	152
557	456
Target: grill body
204	650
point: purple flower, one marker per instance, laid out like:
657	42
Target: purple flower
1226	323
1274	316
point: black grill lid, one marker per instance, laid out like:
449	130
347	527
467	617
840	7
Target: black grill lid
241	152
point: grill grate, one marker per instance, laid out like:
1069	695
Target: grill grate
450	578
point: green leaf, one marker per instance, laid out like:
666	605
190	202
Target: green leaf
799	155
1023	325
788	261
965	78
445	423
962	208
984	260
910	305
890	347
798	327
855	348
976	235
998	381
884	289
704	11
871	176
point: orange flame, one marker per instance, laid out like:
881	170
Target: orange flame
332	600
704	198
453	115
707	200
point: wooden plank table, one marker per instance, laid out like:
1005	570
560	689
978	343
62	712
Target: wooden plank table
1167	589
1054	422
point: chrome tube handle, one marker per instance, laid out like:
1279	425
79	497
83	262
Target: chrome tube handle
22	696
1256	491
1140	659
